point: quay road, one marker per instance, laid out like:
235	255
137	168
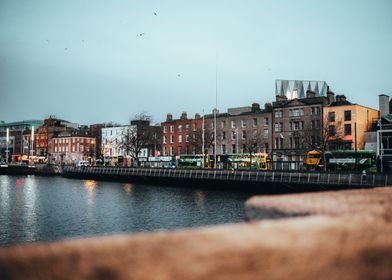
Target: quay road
259	181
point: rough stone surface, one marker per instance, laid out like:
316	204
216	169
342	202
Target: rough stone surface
344	235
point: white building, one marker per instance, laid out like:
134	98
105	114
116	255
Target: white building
113	139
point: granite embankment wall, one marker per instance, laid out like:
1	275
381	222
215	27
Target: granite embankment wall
335	235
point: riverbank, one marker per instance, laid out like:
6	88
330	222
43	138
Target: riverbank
344	234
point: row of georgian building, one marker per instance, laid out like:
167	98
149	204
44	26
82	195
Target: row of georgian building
305	115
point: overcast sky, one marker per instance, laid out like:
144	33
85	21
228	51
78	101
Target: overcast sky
83	61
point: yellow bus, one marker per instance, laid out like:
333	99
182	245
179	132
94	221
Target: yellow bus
314	160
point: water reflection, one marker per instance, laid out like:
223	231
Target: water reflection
55	208
128	188
90	184
200	197
30	213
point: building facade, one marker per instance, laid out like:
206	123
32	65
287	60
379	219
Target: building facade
241	130
69	148
298	121
183	135
50	128
20	144
113	139
347	123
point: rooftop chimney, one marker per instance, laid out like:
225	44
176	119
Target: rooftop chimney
197	116
330	96
183	116
255	107
169	117
383	101
310	94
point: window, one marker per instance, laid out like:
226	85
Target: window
55	149
172	128
223	149
347	115
164	139
233	124
291	143
254	122
315	111
171	138
331	130
243	134
347	128
187	138
223	135
278	113
233	135
254	134
171	150
278	127
234	148
223	124
244	123
265	133
180	128
179	138
266	122
194	126
164	129
331	116
187	127
318	124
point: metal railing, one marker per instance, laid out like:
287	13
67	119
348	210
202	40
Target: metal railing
336	179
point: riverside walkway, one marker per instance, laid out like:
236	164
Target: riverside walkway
269	181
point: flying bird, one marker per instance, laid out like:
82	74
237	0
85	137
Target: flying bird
155	14
139	35
178	75
65	49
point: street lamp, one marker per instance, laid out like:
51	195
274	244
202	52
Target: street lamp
7	140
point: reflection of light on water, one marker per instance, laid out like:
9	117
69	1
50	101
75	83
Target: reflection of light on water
4	194
200	197
18	182
128	188
90	184
30	196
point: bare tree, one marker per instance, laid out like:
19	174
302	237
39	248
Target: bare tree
197	140
252	142
139	135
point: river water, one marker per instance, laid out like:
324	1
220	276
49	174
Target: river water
40	209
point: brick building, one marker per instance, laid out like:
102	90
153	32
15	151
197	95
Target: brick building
50	128
183	135
69	148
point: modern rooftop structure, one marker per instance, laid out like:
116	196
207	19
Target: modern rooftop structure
297	88
21	125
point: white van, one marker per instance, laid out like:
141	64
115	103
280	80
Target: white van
82	163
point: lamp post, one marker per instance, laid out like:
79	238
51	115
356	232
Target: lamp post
32	140
7	139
